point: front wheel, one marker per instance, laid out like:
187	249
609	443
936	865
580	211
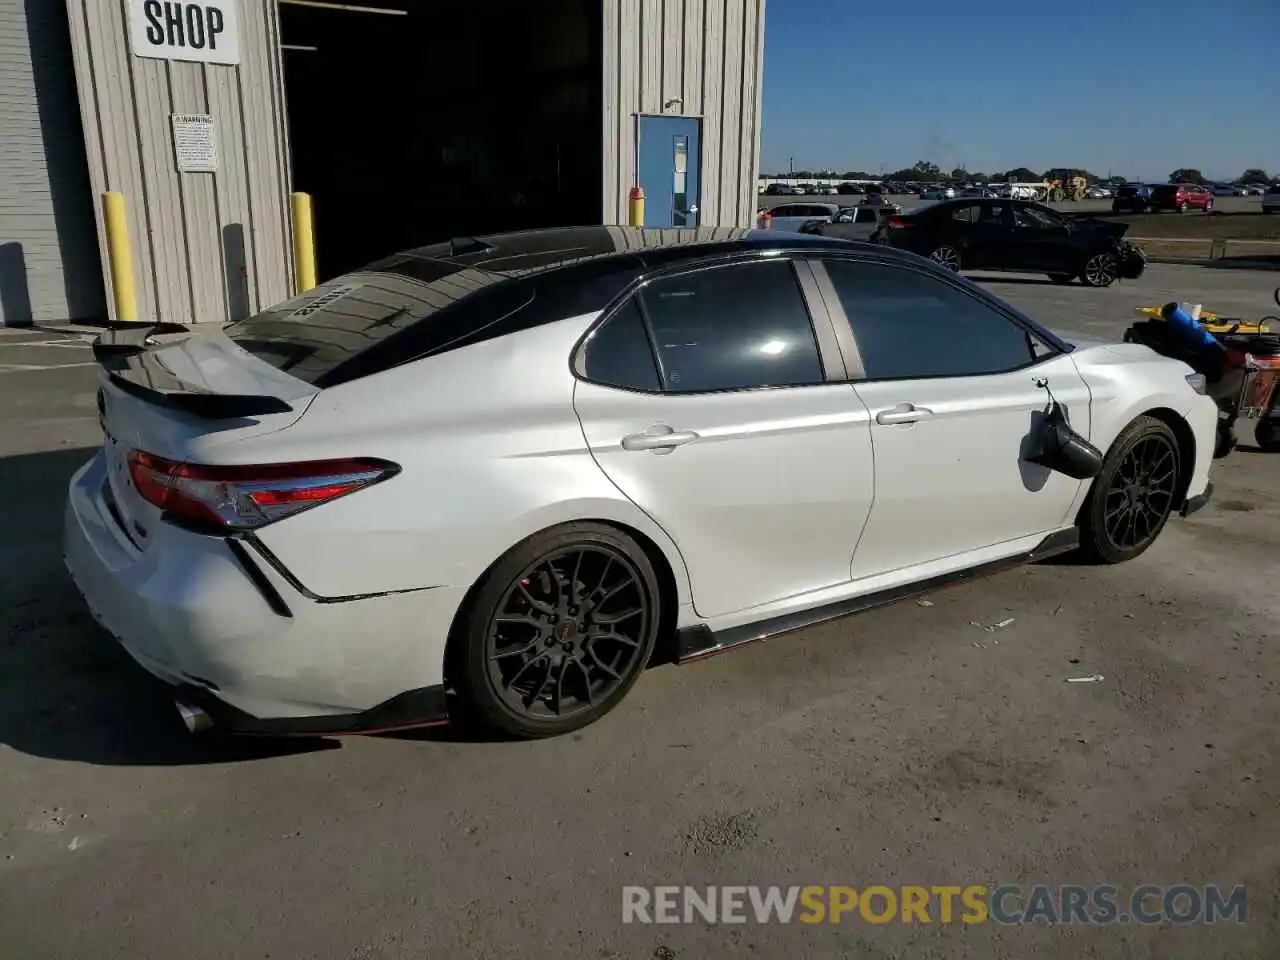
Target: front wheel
1132	497
557	632
947	257
1100	270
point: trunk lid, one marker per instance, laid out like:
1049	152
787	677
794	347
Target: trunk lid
182	401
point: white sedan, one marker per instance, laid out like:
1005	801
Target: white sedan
487	480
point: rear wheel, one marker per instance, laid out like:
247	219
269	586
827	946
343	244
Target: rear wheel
1182	208
1266	436
1100	270
1208	207
1132	497
946	256
557	632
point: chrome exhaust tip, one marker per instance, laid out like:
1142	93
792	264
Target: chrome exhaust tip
195	719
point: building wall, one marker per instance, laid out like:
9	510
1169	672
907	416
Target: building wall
709	54
206	246
49	266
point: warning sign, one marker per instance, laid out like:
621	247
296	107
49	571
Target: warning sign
193	143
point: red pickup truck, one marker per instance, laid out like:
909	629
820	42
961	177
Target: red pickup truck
1181	197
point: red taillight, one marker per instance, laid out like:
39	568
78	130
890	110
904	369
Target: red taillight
897	223
245	497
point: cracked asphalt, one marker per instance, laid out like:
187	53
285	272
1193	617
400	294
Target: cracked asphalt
907	745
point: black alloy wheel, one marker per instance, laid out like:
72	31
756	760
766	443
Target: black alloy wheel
946	256
1133	496
1101	270
561	629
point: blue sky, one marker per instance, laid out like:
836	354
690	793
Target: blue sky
1135	87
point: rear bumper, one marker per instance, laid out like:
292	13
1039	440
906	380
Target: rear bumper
235	633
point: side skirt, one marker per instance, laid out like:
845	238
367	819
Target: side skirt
699	642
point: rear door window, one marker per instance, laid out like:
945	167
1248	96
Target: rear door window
732	328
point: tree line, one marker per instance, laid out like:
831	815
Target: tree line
925	172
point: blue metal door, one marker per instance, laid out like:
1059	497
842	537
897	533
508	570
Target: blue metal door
669	160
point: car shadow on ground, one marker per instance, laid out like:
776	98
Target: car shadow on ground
67	689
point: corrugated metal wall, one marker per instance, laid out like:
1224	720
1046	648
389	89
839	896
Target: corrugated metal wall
49	267
709	54
206	246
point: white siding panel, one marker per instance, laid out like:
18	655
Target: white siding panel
206	246
707	53
49	268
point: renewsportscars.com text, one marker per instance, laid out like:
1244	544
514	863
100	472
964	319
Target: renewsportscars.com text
974	903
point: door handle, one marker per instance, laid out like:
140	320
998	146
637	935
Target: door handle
903	413
659	438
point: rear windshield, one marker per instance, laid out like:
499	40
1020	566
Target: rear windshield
328	334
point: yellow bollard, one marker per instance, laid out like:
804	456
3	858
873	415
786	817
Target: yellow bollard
636	207
304	242
115	216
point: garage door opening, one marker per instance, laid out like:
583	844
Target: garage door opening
412	122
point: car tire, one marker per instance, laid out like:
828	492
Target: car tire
534	630
1100	270
947	257
1103	534
1062	278
1266	436
1208	207
1225	440
1182	208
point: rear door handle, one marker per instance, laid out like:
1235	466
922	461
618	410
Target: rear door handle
660	438
903	413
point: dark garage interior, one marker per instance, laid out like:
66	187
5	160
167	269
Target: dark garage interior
417	121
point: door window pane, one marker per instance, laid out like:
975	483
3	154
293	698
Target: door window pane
911	325
618	354
733	328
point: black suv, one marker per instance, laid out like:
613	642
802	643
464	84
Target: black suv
1131	198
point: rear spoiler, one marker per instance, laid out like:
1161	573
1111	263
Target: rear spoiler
119	351
126	339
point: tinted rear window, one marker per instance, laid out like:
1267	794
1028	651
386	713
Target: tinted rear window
387	313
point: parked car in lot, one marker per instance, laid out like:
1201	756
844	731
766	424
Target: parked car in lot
1016	235
780	190
852	223
1271	199
853	189
484	480
793	216
938	193
1180	197
1132	198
